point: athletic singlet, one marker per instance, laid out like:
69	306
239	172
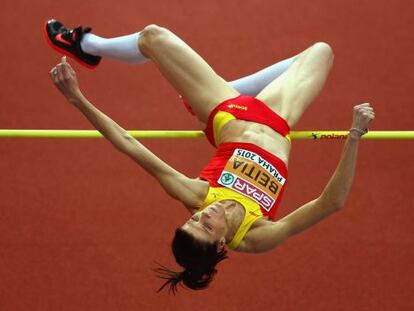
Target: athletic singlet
249	170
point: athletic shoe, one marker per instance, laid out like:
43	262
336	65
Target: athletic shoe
67	41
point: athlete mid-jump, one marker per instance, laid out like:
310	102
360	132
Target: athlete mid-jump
234	200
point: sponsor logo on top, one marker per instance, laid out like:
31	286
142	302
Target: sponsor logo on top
249	190
238	107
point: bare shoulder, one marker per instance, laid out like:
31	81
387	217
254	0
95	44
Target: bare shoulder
201	186
264	236
197	191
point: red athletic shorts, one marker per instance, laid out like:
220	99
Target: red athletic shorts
246	108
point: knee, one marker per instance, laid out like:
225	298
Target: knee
152	31
324	50
149	35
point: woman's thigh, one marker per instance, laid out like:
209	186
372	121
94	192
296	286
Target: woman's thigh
291	93
190	74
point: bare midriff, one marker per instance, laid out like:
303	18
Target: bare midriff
257	134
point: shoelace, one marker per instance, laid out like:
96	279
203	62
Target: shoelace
75	35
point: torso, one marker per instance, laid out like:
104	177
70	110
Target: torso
258	134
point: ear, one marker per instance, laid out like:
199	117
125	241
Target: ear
221	244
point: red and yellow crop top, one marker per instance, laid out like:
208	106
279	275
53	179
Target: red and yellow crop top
249	170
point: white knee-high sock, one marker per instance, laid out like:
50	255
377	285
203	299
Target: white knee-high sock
124	49
254	83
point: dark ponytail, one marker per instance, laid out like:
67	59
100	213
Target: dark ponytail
198	259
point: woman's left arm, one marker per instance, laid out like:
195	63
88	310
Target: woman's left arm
332	198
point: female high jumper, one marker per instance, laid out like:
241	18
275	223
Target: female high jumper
233	202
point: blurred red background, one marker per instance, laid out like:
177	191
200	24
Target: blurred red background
81	225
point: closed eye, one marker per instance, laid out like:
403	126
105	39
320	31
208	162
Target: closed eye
206	226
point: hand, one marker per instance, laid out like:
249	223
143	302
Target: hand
64	78
363	115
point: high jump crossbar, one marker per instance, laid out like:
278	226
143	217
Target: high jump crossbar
186	134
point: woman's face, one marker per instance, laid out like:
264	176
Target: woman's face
208	225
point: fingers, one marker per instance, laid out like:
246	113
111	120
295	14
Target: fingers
64	78
367	112
65	71
363	115
52	73
70	69
363	108
62	66
59	69
67	68
62	71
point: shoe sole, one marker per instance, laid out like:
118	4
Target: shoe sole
62	51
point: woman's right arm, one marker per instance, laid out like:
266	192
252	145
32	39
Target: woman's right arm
187	190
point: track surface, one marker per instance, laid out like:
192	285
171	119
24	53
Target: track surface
80	224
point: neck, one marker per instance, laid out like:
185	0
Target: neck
234	213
